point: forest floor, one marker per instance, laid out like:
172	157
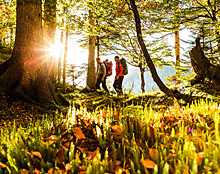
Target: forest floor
99	133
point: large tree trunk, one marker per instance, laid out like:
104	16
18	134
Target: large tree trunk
148	59
201	65
25	73
91	77
49	35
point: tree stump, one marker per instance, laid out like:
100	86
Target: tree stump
202	67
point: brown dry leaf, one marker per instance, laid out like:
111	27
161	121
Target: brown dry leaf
148	163
171	169
118	163
200	156
92	156
68	166
117	128
67	145
36	171
59	157
24	171
2	165
83	168
78	133
51	171
154	154
150	131
37	154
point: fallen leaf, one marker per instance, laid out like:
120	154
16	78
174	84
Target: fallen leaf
68	166
2	165
148	163
59	157
154	154
92	156
37	154
78	133
36	171
23	171
117	128
83	168
51	171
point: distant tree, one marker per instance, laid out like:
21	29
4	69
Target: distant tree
76	72
64	60
25	73
49	34
91	77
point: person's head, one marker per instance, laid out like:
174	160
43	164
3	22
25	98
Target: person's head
116	58
98	60
106	60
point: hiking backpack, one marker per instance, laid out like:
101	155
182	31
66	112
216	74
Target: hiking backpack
108	67
125	67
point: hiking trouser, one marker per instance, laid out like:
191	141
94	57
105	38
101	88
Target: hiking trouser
99	81
118	84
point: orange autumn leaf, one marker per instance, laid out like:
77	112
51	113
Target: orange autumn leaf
83	168
104	113
2	165
117	128
148	163
37	154
51	171
59	157
23	171
78	133
92	156
36	171
68	166
154	154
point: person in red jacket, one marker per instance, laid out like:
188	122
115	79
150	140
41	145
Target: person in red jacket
118	77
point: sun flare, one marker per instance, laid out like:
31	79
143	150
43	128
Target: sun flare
54	50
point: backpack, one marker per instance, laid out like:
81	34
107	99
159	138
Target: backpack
108	67
125	67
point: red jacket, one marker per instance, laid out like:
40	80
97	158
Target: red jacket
119	69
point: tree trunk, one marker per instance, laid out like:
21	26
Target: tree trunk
49	35
61	55
25	73
142	78
201	65
91	77
148	59
177	54
64	61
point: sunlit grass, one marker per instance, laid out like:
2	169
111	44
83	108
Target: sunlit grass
134	139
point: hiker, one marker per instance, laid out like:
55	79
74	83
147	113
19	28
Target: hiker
108	66
101	75
118	77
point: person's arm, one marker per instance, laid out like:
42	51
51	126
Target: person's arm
120	66
104	70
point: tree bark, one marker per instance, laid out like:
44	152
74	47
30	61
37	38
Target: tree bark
91	77
142	78
201	65
148	59
25	73
177	54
